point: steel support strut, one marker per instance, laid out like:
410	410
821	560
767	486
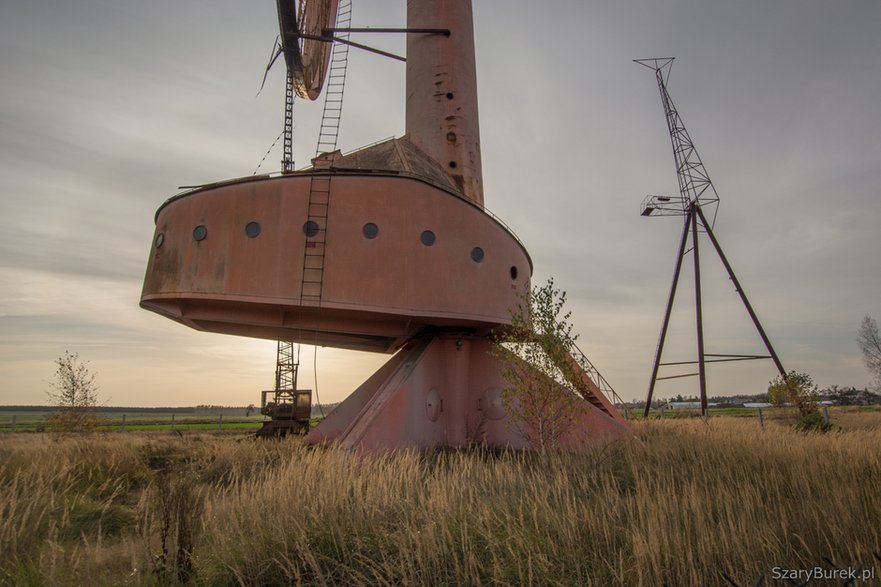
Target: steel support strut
742	294
676	272
698	313
692	217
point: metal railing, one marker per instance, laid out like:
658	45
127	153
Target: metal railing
602	384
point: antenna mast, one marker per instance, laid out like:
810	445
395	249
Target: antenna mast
696	192
694	181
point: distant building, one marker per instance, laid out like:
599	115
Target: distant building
758	405
687	405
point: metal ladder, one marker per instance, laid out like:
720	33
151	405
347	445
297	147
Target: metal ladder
286	367
319	187
287	357
287	162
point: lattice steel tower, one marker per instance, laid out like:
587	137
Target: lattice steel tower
696	194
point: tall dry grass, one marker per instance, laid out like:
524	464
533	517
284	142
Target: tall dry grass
679	503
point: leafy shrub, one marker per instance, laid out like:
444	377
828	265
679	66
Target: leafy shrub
800	390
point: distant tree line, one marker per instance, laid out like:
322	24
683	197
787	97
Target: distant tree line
837	394
850	396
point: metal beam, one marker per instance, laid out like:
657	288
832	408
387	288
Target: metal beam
702	371
328	32
667	313
332	39
677	376
742	294
716	360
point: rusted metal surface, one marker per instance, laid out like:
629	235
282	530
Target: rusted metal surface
306	54
289	411
442	115
396	156
442	391
410	260
377	292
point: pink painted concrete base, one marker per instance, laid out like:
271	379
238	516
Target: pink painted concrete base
445	391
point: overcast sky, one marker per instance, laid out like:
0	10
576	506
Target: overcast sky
106	107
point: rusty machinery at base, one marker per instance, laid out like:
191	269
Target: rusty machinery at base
289	412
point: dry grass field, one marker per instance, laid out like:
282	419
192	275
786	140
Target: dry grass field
679	503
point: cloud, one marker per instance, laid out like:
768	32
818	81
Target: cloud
105	108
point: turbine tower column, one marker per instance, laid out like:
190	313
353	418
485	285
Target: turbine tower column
442	91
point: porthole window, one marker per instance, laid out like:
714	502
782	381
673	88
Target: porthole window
370	230
160	238
200	233
477	254
427	237
513	272
252	229
310	228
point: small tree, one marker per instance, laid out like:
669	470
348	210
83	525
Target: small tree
540	367
870	344
75	395
800	390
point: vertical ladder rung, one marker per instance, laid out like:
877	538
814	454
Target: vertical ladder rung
328	135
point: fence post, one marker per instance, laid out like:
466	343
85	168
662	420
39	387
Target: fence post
761	419
220	423
826	415
172	420
122	426
14	422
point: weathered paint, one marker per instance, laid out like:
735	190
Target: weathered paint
444	387
443	391
377	293
442	116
